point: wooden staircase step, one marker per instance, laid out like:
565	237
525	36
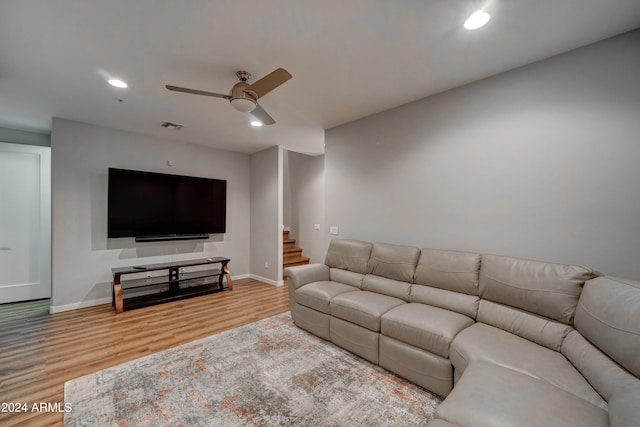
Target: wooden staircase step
288	243
291	253
301	260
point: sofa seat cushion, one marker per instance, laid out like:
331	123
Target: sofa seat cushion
484	343
317	295
423	326
488	395
363	308
624	410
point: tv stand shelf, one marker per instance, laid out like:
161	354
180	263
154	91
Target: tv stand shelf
176	284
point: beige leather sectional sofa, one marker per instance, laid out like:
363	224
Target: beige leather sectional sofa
508	342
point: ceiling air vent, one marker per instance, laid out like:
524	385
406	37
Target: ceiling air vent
173	126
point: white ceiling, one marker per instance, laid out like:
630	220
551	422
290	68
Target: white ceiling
349	59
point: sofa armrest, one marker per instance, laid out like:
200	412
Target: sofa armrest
624	410
303	274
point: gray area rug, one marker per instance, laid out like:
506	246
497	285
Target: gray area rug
268	373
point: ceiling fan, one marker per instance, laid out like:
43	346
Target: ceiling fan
244	96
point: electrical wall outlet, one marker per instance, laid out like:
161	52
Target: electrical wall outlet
333	230
266	264
316	226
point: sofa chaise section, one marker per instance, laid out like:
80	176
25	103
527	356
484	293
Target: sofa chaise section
524	315
489	395
594	384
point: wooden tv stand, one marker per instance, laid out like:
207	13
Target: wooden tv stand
176	284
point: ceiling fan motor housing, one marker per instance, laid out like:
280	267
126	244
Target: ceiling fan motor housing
242	98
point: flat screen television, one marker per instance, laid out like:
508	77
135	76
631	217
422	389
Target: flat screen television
157	206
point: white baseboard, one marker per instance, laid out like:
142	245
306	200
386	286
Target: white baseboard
84	304
260	278
268	281
76	305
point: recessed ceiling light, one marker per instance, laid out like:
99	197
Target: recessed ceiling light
256	123
478	19
117	83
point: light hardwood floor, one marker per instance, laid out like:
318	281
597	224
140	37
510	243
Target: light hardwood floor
40	351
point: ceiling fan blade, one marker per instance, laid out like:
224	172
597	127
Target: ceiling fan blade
262	115
270	82
197	92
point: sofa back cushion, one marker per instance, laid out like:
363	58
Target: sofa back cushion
448	300
533	327
548	289
450	270
384	286
351	255
393	261
608	315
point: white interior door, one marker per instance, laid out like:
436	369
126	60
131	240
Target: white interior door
25	222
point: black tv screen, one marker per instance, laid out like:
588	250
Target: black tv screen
148	204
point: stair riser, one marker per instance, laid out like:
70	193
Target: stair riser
294	252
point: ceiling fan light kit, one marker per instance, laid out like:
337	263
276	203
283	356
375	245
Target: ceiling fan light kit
243	105
243	96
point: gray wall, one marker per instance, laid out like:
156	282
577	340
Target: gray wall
266	215
305	203
82	255
540	162
287	196
24	137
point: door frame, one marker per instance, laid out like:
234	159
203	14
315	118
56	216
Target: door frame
44	157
